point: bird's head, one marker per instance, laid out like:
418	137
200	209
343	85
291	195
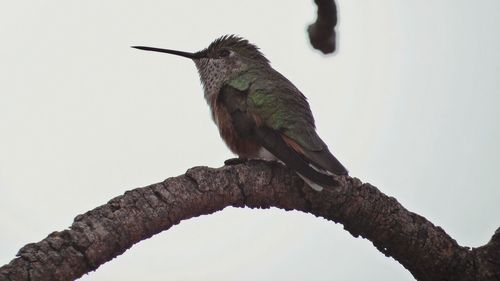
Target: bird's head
223	58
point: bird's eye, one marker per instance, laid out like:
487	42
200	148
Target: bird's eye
224	53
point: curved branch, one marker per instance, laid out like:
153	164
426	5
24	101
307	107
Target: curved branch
107	231
322	32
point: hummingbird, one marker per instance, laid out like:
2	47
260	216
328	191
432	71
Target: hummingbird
260	114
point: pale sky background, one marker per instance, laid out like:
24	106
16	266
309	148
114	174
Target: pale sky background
409	103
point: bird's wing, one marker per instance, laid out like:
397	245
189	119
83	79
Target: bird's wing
283	108
248	124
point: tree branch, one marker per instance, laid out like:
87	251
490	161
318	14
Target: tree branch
322	32
109	230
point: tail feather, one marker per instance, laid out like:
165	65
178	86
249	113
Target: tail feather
274	143
314	167
312	184
325	160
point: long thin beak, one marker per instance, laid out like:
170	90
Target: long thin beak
173	52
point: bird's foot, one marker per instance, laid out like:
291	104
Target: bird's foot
234	161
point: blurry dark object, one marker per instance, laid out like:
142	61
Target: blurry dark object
322	32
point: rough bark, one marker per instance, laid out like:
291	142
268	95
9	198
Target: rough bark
322	32
107	231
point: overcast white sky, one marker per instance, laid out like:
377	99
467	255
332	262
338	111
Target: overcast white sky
410	103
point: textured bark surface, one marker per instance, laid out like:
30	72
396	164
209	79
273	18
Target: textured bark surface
107	231
322	32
